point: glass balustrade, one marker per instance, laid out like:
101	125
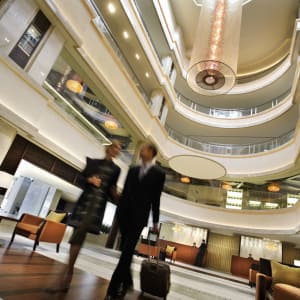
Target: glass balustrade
230	113
218	197
231	149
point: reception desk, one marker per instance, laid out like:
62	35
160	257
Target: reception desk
148	250
184	253
240	266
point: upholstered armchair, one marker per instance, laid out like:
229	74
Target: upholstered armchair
49	230
170	253
283	284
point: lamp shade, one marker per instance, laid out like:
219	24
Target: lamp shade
214	58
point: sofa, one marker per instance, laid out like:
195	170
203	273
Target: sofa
282	284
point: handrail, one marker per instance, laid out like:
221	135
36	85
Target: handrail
250	200
231	149
222	113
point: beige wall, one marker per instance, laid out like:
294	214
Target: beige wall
220	249
7	135
289	253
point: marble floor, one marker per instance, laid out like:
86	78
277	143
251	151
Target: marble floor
186	282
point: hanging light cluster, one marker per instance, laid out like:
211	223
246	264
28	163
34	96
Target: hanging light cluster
214	58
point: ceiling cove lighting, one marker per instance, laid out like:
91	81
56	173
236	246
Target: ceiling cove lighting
213	64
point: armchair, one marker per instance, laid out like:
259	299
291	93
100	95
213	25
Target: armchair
282	284
49	230
170	253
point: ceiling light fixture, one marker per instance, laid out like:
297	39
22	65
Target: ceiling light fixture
137	56
185	179
214	58
147	74
111	124
226	186
125	35
111	8
274	187
74	86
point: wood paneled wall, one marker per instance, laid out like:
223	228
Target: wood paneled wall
24	149
289	253
220	249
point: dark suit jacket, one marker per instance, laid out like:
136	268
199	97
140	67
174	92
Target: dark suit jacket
139	197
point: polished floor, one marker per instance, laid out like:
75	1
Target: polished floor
25	274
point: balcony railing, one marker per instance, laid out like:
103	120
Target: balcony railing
231	149
218	197
230	113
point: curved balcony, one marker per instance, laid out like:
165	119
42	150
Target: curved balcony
214	117
231	149
249	199
235	113
275	221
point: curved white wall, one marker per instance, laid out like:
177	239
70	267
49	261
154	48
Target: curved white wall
279	221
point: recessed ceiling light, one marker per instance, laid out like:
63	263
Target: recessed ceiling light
137	56
147	74
125	34
111	8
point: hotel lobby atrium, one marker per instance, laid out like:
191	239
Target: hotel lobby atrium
213	84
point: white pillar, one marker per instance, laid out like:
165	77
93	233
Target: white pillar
164	113
7	136
46	58
156	102
167	65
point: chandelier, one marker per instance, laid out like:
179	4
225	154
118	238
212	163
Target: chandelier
214	58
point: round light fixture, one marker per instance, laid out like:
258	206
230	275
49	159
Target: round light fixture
74	86
111	124
185	179
226	186
274	187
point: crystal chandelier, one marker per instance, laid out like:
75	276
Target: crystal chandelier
213	63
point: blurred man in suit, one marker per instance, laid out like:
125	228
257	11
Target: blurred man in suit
141	194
